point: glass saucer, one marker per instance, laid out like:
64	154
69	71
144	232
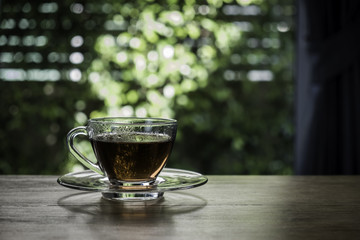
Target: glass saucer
168	180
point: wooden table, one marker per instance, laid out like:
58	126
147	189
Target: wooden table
227	207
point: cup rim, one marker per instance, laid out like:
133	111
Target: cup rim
133	121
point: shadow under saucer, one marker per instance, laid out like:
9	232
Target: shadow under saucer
91	203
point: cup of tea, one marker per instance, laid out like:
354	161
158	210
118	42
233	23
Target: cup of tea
129	151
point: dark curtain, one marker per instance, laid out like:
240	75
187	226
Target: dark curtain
328	87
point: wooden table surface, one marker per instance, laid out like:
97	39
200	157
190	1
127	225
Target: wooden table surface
227	207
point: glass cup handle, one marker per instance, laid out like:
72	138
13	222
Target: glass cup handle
76	153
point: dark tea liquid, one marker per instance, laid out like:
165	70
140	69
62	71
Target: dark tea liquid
134	157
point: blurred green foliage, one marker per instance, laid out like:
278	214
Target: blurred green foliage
222	68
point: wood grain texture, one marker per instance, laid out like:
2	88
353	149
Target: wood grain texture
227	207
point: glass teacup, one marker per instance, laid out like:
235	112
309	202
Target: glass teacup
129	151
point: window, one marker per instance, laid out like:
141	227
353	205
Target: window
221	67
